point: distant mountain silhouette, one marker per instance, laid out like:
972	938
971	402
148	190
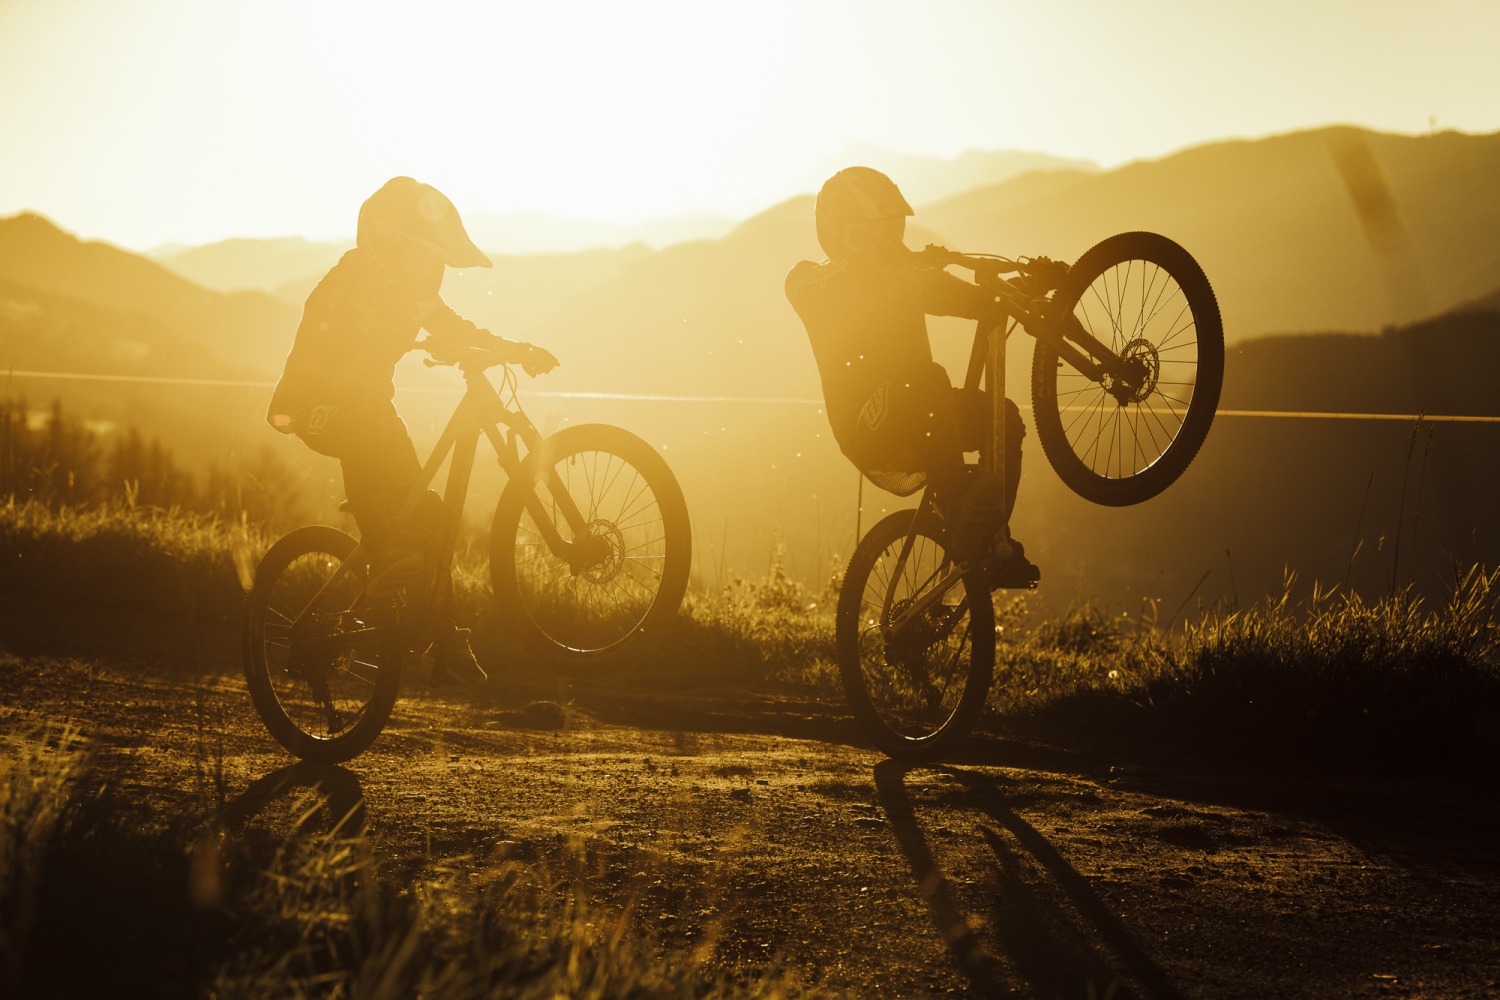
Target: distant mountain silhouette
519	292
1446	364
289	266
42	331
925	179
522	233
1281	225
264	265
1306	493
1285	227
1272	222
248	332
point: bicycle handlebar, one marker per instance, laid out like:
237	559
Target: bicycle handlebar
477	358
978	263
1040	275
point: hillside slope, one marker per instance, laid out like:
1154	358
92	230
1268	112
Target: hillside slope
248	332
1277	224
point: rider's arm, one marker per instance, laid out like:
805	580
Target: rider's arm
438	319
945	294
451	329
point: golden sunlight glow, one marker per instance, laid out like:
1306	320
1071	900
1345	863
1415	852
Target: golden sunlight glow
219	120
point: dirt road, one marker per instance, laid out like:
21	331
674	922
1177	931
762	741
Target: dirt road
752	821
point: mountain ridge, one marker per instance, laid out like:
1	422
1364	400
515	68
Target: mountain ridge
243	330
1274	222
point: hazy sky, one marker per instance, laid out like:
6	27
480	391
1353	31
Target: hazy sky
147	121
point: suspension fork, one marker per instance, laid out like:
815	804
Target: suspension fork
567	550
925	600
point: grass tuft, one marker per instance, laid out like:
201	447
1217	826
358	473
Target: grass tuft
37	776
186	905
1336	677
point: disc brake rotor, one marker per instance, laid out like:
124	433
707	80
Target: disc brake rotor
604	552
1141	358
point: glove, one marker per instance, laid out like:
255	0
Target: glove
536	360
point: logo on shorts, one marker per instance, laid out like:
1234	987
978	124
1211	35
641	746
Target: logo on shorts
877	407
318	417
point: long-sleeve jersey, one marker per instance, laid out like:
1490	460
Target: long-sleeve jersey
357	324
866	318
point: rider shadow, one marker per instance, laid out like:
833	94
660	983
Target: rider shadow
341	815
1066	943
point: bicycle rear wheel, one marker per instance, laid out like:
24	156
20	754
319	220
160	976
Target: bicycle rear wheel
629	567
915	682
1147	300
322	661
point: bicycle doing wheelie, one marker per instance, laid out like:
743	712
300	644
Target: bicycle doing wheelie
1125	377
589	554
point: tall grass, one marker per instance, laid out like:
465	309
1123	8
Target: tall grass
775	628
1335	677
127	555
103	897
1346	677
37	776
325	921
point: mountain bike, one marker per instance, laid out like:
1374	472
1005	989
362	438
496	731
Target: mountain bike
589	555
1126	370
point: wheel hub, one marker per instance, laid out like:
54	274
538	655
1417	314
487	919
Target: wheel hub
603	551
1142	366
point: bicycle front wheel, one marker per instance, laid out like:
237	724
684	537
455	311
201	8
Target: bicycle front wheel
322	661
1148	301
915	640
610	588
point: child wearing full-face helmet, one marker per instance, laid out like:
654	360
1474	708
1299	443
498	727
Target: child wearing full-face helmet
336	390
892	408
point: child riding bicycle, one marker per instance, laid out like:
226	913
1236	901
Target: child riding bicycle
893	410
336	390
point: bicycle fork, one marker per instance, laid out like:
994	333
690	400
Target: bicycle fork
576	552
951	571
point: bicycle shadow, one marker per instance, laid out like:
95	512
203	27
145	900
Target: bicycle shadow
337	799
1064	943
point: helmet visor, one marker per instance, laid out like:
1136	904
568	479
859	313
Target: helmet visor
439	228
421	215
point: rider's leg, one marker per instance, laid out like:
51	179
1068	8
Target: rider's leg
1015	430
969	500
973	408
380	469
1012	568
450	656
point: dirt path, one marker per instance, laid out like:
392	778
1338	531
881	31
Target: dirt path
752	820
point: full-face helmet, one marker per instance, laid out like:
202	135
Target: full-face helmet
418	214
857	207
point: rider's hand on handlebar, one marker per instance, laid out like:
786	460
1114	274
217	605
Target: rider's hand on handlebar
535	360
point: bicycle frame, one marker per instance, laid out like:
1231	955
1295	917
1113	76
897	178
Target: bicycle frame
481	411
1040	318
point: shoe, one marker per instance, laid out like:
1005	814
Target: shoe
1011	570
974	515
451	657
